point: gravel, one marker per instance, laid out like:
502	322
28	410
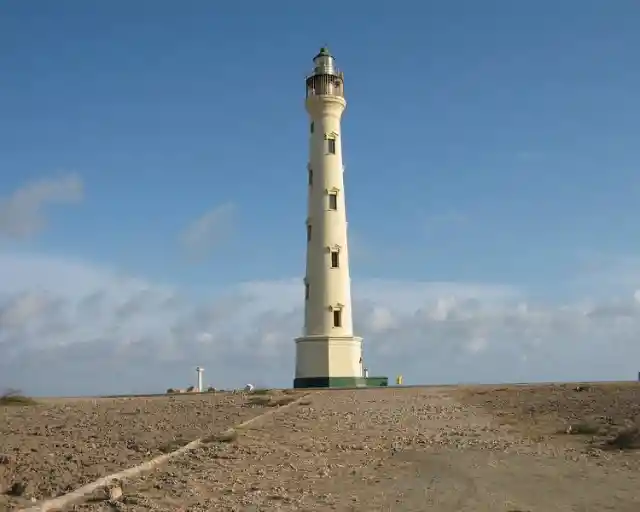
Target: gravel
386	449
59	445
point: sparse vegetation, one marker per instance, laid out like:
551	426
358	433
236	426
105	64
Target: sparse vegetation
263	400
260	400
227	436
584	428
284	400
626	439
262	391
15	397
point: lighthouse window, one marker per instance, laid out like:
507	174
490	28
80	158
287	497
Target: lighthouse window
308	232
311	127
335	259
333	201
306	291
337	318
331	146
310	177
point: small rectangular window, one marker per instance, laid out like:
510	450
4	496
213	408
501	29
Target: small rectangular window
333	201
335	259
308	232
310	177
331	146
337	318
306	291
311	127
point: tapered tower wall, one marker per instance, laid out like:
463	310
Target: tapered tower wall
328	353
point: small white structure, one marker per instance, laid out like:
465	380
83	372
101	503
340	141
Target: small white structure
248	388
327	354
199	387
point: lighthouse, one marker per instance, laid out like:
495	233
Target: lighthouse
327	354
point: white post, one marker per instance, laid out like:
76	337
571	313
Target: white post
199	385
327	354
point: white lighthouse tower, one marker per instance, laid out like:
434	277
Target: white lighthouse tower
199	387
328	354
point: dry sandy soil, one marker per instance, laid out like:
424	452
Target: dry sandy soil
58	445
476	449
599	418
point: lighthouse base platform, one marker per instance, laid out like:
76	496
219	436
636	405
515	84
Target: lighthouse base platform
332	362
340	382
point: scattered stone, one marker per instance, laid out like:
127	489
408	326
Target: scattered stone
115	493
60	445
303	459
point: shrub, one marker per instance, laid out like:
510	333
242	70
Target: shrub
584	428
626	439
15	397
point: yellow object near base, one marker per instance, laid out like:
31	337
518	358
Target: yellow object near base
399	380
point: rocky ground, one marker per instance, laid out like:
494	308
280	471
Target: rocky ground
498	449
599	418
395	449
55	446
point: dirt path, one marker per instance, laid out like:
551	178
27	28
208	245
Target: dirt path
383	450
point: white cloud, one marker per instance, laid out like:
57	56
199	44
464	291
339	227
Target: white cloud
23	213
477	344
381	319
204	233
73	327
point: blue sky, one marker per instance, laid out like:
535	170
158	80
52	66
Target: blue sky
507	156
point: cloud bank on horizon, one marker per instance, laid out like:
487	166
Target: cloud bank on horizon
70	327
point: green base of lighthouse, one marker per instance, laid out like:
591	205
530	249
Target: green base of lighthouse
340	382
